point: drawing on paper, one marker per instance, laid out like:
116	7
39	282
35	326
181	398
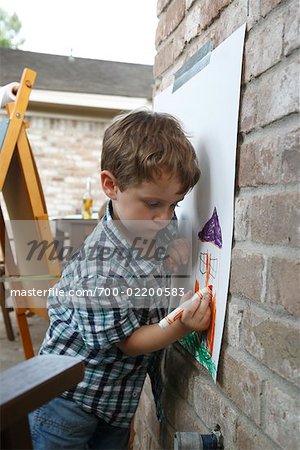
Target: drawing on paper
211	121
201	345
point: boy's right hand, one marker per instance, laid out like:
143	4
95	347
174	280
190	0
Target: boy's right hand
197	317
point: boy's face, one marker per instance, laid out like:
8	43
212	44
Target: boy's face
147	208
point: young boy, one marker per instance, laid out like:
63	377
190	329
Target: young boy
116	287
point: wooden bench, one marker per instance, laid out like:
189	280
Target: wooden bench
29	385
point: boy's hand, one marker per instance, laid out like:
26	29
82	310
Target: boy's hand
197	317
178	254
150	338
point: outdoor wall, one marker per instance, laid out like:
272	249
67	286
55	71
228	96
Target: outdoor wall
256	398
67	150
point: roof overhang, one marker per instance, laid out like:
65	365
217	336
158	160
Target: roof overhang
93	101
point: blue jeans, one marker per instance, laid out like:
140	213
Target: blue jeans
62	423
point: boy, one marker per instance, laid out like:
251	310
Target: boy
116	287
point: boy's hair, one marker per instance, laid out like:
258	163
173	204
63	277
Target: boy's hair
142	145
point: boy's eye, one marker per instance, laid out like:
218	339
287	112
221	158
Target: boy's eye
157	204
152	204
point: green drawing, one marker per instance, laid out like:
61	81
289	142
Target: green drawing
199	351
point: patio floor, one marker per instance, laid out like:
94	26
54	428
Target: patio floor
11	352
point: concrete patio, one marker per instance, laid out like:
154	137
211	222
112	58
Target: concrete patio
11	352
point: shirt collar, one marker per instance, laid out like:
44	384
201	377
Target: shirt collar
143	266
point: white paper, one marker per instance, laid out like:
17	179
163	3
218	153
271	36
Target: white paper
208	105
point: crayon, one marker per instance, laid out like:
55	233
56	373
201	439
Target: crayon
177	313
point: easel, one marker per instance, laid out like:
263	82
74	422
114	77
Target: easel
23	195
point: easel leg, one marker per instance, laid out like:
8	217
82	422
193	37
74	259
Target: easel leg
25	334
5	312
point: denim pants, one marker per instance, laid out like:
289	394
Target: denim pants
62	423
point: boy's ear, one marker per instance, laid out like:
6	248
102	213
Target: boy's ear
109	184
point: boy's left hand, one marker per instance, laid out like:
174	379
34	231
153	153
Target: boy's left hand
178	254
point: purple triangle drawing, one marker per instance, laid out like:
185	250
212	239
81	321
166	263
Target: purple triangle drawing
211	232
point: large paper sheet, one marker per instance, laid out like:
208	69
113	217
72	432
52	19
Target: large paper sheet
207	105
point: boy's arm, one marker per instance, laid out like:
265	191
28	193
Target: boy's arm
150	338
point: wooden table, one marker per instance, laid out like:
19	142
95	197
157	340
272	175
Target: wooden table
29	385
72	230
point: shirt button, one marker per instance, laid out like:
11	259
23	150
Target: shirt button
134	394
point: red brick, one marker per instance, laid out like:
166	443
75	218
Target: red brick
210	10
229	21
148	412
282	414
272	341
241	383
167	436
138	427
161	5
263	47
164	59
59	154
241	218
260	161
292	28
189	3
163	82
267	5
232	326
180	381
169	20
273	97
248	108
253	13
274	219
189	48
147	386
278	93
212	407
136	444
145	440
179	40
181	415
241	283
291	155
232	17
192	23
154	445
284	283
250	437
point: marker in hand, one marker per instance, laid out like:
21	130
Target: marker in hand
205	293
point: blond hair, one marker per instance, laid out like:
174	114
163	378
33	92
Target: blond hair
142	145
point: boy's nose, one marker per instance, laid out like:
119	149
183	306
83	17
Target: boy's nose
163	218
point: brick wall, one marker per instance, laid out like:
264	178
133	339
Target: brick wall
67	150
256	398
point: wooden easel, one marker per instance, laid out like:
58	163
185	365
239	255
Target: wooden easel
23	196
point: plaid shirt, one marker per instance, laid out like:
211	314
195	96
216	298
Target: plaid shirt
102	297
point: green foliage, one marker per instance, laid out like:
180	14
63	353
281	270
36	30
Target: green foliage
10	27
